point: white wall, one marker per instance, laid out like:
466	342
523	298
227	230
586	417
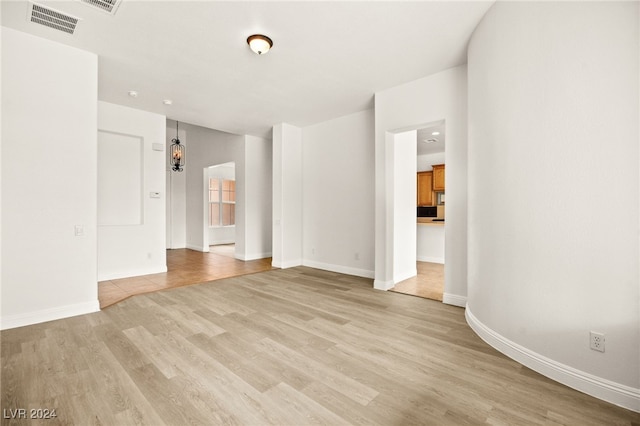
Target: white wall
554	192
338	194
414	105
221	234
49	149
287	196
404	205
430	243
126	250
120	178
253	239
176	184
1	316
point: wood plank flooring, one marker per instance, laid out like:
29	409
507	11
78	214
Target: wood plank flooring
285	347
185	267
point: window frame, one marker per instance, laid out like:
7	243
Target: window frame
221	202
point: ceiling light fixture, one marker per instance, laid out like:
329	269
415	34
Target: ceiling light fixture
435	133
133	93
167	102
177	153
259	43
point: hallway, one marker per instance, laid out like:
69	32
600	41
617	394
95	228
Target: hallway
185	267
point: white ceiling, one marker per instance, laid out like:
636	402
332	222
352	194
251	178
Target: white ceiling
328	58
425	134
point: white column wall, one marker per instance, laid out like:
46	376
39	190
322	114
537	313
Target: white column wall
442	96
338	187
132	250
404	205
253	240
49	180
176	194
287	196
554	190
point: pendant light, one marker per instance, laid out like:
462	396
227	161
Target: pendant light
177	153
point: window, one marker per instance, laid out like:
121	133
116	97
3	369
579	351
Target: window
222	202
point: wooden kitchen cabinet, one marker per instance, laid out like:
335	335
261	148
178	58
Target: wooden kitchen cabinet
425	191
438	177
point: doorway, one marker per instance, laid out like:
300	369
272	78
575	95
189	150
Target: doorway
429	216
219	222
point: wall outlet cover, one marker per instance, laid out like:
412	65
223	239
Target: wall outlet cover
596	341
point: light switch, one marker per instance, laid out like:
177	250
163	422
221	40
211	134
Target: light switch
79	230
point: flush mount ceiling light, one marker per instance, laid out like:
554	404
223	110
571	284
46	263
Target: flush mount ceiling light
133	93
259	43
435	133
167	102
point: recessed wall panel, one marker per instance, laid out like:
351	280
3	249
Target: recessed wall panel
119	179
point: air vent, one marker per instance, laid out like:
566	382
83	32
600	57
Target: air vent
52	18
109	6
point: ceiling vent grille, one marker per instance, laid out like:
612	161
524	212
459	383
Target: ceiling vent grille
109	6
52	18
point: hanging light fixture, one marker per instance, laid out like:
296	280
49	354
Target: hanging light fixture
259	43
176	161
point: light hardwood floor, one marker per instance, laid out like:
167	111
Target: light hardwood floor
429	282
284	347
185	267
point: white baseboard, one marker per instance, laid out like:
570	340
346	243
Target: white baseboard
386	285
597	387
383	285
348	270
203	249
454	299
177	246
430	259
51	314
286	264
131	273
222	242
253	256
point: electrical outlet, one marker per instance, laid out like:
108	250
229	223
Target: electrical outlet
596	341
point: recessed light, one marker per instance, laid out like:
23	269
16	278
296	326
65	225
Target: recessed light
259	43
435	133
167	102
133	93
